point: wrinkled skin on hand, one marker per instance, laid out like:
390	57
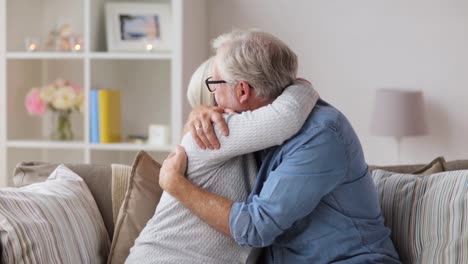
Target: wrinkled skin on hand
201	123
173	166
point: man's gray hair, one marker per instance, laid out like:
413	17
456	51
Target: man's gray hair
259	58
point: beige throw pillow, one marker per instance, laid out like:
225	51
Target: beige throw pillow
56	221
437	165
138	207
120	177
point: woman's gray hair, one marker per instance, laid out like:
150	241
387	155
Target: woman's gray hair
259	58
197	92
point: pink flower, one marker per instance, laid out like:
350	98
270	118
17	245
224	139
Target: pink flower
60	83
34	104
75	87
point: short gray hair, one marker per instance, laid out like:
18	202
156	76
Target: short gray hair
259	58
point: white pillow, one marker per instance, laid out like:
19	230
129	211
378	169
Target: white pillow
56	221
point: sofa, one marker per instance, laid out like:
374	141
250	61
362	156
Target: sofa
119	190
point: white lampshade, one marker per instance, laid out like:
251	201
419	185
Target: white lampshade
398	113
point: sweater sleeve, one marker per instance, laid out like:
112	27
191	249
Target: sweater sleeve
265	127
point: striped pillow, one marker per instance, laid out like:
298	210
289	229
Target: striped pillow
56	221
427	215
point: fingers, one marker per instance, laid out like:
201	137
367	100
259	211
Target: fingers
221	123
217	118
194	132
229	111
209	135
201	126
176	162
218	109
177	155
180	149
204	131
194	125
170	156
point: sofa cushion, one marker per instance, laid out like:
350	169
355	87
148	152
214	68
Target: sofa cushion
456	165
436	165
97	178
138	207
427	215
56	221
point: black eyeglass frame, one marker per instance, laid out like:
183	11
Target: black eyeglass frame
208	82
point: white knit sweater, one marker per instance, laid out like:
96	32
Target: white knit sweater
175	234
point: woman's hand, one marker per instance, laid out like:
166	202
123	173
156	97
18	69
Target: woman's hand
200	125
173	169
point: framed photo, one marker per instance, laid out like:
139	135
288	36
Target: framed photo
138	27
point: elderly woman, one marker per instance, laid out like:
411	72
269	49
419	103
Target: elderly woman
175	234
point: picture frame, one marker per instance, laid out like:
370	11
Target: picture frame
138	27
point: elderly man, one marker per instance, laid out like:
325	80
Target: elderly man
314	200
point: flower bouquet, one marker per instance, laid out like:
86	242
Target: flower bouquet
61	98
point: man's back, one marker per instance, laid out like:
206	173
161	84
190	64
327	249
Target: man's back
319	203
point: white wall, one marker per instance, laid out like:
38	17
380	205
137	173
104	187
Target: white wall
2	93
348	49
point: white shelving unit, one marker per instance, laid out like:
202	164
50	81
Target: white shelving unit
152	84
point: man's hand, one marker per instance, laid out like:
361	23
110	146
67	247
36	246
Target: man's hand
200	125
210	207
173	169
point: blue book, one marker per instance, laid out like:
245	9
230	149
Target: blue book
94	116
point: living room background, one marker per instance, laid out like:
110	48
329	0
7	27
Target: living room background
349	49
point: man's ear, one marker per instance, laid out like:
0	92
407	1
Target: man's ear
244	92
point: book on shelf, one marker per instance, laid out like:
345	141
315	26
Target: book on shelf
109	115
94	116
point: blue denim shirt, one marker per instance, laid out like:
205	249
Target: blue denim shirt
314	200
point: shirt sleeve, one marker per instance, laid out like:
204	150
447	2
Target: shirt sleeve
265	127
291	191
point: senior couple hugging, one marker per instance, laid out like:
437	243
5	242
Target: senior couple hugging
267	172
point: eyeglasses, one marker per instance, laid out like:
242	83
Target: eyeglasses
208	83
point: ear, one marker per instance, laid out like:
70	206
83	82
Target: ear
244	92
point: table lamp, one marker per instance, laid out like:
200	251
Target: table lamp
398	114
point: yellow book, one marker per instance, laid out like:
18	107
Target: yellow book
109	116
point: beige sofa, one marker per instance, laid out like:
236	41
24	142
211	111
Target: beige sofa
124	218
99	179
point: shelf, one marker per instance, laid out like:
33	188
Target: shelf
94	55
131	146
45	144
152	84
44	55
131	56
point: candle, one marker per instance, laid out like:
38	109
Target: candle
31	44
149	47
32	47
77	47
148	44
75	43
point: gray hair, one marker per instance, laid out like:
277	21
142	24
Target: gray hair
259	58
197	92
